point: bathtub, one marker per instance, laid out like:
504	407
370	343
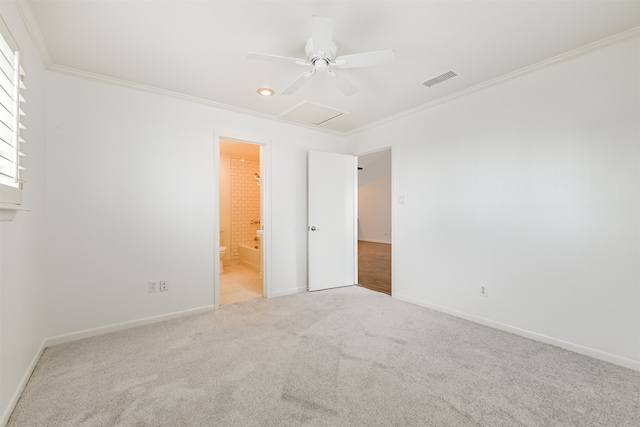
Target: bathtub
248	255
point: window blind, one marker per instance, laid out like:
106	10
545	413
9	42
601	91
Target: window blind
11	85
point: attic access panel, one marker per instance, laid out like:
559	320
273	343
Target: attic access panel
312	113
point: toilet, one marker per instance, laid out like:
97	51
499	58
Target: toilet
223	251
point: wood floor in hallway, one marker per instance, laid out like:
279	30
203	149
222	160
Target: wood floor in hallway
374	266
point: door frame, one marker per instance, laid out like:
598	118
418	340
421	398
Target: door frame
393	213
265	209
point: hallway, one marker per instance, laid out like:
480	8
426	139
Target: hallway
374	266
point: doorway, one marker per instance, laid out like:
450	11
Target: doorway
241	222
374	221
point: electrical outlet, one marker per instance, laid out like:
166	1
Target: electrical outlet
163	286
484	291
153	286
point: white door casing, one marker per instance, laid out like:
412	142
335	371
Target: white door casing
332	207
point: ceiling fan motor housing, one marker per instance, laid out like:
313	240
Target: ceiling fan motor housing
313	55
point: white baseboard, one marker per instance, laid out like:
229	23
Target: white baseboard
386	242
23	383
74	336
289	291
576	348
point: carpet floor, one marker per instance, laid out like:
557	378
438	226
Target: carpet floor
343	357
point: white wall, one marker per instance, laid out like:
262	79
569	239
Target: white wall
130	194
530	186
374	197
225	204
22	279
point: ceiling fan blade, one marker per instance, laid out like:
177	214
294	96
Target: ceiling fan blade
299	82
367	59
321	33
268	57
343	84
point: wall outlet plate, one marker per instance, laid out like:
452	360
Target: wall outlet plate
153	285
484	291
163	286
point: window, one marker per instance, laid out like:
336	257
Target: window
11	85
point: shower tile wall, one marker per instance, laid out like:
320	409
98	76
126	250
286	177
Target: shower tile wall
245	203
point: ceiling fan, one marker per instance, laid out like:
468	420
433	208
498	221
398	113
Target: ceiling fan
321	50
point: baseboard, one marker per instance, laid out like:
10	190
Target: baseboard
576	348
23	383
74	336
386	242
289	291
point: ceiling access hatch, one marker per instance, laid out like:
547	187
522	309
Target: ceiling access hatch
312	113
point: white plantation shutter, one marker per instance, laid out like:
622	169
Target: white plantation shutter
11	84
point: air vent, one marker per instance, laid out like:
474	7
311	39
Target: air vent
312	113
439	79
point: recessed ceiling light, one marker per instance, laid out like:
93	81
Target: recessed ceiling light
265	91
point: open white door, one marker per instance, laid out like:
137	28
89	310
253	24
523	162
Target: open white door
332	220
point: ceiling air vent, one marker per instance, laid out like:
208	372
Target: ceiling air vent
312	113
439	79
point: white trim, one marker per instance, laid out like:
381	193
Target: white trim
492	82
74	336
265	209
11	405
386	242
266	219
393	218
24	8
34	30
356	260
165	92
393	211
8	212
216	221
290	291
101	330
576	348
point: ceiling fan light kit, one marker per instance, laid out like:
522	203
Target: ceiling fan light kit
320	51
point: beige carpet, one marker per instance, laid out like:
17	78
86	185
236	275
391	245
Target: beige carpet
344	357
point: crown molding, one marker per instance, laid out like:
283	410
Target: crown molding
489	83
30	22
33	29
178	95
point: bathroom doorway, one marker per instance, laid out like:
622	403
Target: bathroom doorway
241	246
374	221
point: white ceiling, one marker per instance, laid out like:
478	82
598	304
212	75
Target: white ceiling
198	48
